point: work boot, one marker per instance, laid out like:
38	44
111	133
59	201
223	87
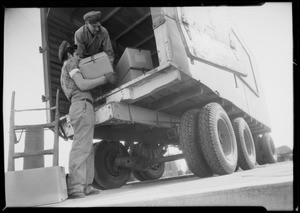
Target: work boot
91	191
75	195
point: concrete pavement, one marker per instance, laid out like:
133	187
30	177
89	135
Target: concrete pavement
270	186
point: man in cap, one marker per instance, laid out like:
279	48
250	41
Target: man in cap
93	38
82	117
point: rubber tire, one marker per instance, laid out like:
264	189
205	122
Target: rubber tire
154	174
243	137
237	168
268	149
208	124
104	178
260	159
188	138
138	175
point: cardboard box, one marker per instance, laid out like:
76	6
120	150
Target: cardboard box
134	59
32	187
95	66
130	75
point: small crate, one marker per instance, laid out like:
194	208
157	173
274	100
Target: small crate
130	75
33	187
130	62
95	66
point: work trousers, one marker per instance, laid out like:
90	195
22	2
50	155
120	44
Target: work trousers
81	158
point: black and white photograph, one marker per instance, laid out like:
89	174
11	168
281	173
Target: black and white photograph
149	106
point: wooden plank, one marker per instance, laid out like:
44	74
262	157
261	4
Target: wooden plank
53	25
53	55
46	61
111	14
37	109
59	36
55	41
144	41
133	26
56	122
55	70
55	80
60	21
22	154
11	162
46	125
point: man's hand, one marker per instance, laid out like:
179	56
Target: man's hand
74	63
111	77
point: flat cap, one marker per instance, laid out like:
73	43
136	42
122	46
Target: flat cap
92	16
64	49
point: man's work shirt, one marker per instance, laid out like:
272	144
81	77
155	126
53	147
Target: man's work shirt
71	90
88	44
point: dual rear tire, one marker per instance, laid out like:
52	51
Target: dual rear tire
208	141
245	144
213	144
217	139
265	149
268	149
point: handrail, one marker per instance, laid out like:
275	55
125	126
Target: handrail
22	110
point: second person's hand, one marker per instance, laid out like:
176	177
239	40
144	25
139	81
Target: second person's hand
111	77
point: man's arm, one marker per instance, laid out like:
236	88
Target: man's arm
88	84
107	47
79	42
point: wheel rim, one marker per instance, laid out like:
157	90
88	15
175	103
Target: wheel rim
225	139
156	167
272	147
109	163
249	145
107	174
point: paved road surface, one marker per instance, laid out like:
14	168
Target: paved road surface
270	186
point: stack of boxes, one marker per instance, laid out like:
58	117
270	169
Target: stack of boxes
132	64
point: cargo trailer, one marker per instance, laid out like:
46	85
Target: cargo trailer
199	90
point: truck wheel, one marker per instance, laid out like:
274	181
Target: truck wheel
155	172
138	175
188	138
217	139
245	144
107	174
258	151
268	149
237	168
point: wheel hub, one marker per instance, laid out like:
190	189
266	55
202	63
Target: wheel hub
225	139
110	165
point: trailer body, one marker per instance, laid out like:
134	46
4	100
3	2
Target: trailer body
198	54
200	61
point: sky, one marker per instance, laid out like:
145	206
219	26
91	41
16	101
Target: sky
267	31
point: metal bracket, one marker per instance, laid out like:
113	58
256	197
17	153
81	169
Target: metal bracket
42	49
